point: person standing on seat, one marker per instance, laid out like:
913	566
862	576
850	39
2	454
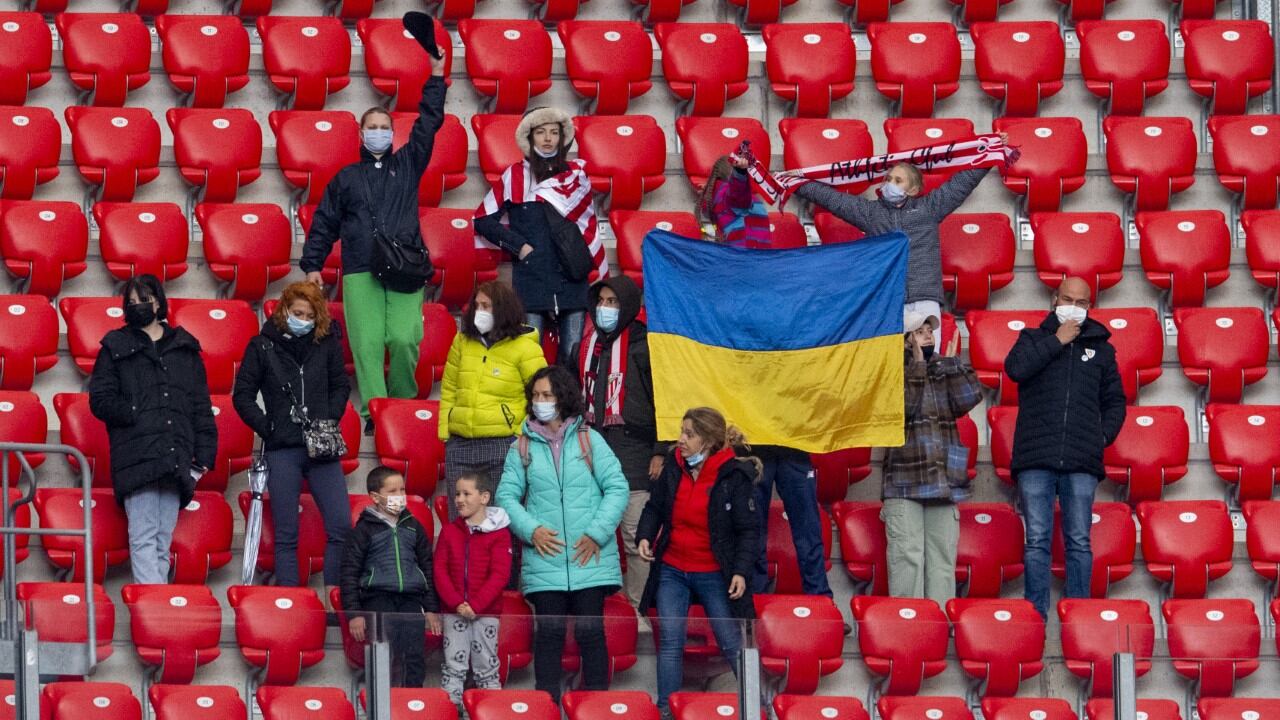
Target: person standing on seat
382	322
728	208
1071	406
148	387
928	475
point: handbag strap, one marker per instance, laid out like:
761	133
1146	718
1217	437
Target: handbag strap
274	362
368	200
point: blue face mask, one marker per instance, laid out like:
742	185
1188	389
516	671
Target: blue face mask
892	194
376	141
298	327
696	459
544	411
607	318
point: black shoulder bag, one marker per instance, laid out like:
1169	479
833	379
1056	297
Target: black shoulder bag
572	251
400	261
323	437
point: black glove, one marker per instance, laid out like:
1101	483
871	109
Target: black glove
422	28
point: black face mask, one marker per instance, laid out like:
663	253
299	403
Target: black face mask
139	315
927	351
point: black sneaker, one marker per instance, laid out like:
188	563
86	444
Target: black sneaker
368	427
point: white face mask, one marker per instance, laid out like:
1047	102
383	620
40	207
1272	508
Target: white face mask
546	155
544	411
484	321
892	193
1071	312
607	318
395	503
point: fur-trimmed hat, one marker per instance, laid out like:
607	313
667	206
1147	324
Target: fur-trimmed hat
543	116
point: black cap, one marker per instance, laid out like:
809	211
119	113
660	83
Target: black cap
422	28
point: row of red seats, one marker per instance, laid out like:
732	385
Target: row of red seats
705	64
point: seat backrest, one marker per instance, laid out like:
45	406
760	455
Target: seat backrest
1150	452
810	64
610	61
626	155
106	53
438	330
288	703
903	639
1262	245
498	704
447	168
28	56
80	429
43	242
396	63
1093	631
1151	157
589	704
1113	539
1212	630
807	142
703	62
206	56
29	150
1262	536
175	627
405	435
629	228
863	546
1213	708
706	139
142	239
247	245
704	706
507	59
29	343
1001	422
312	146
1223	348
306	58
1188	542
1228	61
496	143
1019	62
1083	244
87	321
923	708
73	699
1138	338
1240	449
56	611
450	240
1056	152
972	269
992	333
202	537
224	328
1244	154
911	133
218	149
1185	251
1001	641
915	63
1006	708
1124	60
813	707
196	702
989	551
117	148
280	629
23	419
311	535
1104	709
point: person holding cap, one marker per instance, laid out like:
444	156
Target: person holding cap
925	477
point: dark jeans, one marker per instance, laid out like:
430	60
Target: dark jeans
401	624
1075	493
587	608
287	467
676	591
792	472
569	324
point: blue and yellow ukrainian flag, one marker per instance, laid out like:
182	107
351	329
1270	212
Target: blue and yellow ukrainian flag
799	347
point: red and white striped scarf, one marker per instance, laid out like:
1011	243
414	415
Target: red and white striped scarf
569	193
588	361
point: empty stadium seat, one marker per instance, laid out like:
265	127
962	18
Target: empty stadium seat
224	328
906	133
235	446
863	545
459	264
780	551
1262	246
705	139
88	320
312	146
447	168
306	58
977	257
507	60
1104	709
989	551
810	65
1186	544
1185	252
800	638
914	64
405	437
86	433
280	630
397	65
1113	539
439	328
29	344
515	634
1054	155
1213	642
1083	244
1094	630
56	611
142	239
630	226
291	703
202	538
205	56
1124	62
29	150
115	149
23	420
1228	61
174	628
106	54
1150	158
704	706
1007	708
496	136
923	708
992	334
1262	541
1244	155
588	704
832	229
834	472
999	642
196	702
818	707
1150	451
311	535
705	65
608	62
1001	422
1212	708
43	243
63	508
247	246
626	156
1138	339
903	641
1018	63
503	704
1223	349
28	56
1242	448
217	150
99	700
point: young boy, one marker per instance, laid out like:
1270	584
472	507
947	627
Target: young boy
474	567
386	569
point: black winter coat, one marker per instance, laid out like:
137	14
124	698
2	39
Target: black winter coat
315	370
343	212
538	279
1071	402
732	521
154	400
381	559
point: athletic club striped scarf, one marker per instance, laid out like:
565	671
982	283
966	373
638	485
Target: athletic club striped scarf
588	366
569	193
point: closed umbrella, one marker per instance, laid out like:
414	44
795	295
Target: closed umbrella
253	524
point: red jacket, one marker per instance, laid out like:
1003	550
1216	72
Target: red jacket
473	564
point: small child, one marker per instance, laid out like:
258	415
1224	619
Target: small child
728	208
386	569
474	567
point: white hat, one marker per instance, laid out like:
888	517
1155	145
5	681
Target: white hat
543	116
912	320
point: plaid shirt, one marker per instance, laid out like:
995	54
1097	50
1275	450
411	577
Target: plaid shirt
933	464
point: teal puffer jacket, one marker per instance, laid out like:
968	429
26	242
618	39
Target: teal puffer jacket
570	500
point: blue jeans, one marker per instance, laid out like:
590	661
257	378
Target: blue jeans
152	513
792	471
676	590
1075	492
329	489
568	328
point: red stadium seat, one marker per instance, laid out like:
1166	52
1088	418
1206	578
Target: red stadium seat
142	238
396	64
800	638
1262	539
1054	154
247	246
88	320
312	147
903	641
1262	246
409	703
447	168
306	58
967	429
1244	154
1185	252
1229	708
863	545
787	231
1113	539
504	704
911	133
810	65
626	156
174	628
206	56
507	60
1104	709
496	136
1093	631
1001	421
1138	339
459	264
705	65
588	704
1150	158
706	139
116	149
915	64
217	150
86	433
1241	450
43	243
106	54
704	706
1124	62
280	630
224	328
990	548
608	62
816	141
55	610
832	229
621	633
1228	61
1084	244
977	257
515	634
29	344
291	703
992	334
999	643
835	471
23	419
99	700
202	538
311	536
1186	544
923	708
630	226
1018	63
818	707
63	508
1150	452
439	328
28	56
1005	708
196	702
1223	349
1213	642
29	150
406	440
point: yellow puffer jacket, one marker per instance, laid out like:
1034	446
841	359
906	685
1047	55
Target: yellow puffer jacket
482	392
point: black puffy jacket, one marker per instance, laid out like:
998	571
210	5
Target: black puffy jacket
315	370
1071	402
154	400
380	558
538	279
343	212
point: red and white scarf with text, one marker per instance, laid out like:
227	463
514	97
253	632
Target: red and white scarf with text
588	363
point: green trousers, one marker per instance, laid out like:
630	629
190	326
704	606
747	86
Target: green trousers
922	548
382	324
